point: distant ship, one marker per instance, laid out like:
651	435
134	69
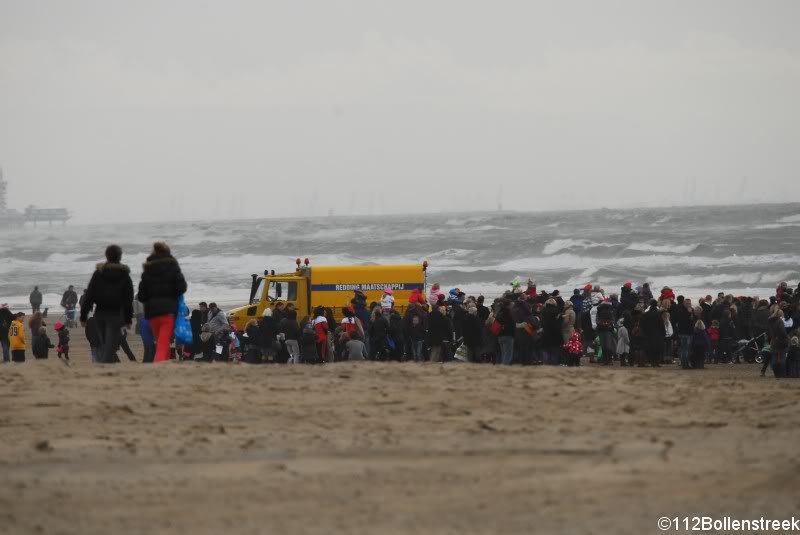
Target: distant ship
32	214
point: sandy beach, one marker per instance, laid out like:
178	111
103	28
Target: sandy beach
388	448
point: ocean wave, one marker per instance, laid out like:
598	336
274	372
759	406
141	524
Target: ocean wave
564	244
790	219
772	226
572	261
663	248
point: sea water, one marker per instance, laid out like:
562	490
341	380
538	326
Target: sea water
696	250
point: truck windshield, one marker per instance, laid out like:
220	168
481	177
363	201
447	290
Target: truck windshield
282	291
257	296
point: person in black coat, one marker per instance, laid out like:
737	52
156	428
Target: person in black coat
439	332
110	294
196	321
6	317
654	332
700	346
523	343
378	334
472	331
705	305
551	335
727	335
779	343
628	298
605	330
267	334
161	285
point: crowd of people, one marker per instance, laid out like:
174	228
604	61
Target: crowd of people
529	326
525	326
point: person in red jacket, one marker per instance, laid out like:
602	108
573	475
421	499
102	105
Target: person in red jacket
531	291
713	337
320	324
666	295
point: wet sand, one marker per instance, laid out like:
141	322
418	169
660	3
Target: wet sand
388	448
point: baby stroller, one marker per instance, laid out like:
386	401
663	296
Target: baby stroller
68	318
749	350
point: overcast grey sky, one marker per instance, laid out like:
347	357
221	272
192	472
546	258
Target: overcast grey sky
143	110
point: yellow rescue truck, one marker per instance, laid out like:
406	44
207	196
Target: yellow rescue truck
328	286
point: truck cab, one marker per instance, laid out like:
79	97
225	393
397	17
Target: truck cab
330	287
267	291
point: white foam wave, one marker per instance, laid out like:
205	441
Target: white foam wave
771	226
790	219
663	248
570	243
572	261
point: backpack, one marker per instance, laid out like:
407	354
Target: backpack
309	331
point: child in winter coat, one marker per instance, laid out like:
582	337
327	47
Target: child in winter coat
623	344
41	344
700	346
387	301
713	337
16	338
574	349
63	340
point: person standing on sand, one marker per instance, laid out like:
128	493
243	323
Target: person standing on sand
220	328
700	346
69	301
35	323
653	329
41	345
36	300
161	285
16	338
440	332
93	337
110	294
6	317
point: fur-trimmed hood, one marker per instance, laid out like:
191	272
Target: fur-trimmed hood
112	271
112	266
158	263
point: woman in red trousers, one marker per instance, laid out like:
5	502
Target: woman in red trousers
161	285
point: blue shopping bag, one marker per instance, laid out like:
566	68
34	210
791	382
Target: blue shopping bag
183	329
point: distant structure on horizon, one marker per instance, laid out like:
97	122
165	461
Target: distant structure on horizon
32	214
500	199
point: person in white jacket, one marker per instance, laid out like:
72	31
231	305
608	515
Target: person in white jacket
668	332
623	344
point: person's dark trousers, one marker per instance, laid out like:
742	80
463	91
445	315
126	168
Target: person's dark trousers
149	353
110	329
777	362
724	350
522	348
698	360
18	355
6	352
123	344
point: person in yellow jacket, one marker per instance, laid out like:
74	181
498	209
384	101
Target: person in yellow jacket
16	338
